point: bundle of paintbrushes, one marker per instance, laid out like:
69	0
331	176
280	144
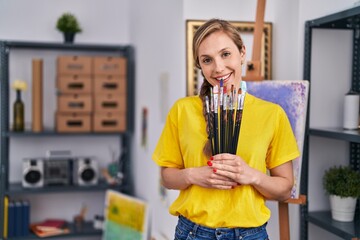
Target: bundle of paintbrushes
224	114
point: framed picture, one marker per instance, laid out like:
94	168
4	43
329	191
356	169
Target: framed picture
246	29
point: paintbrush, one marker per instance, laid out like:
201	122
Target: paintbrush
231	118
221	116
237	122
209	125
216	127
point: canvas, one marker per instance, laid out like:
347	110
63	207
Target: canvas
292	96
126	217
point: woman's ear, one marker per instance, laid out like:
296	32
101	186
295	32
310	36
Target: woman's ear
243	53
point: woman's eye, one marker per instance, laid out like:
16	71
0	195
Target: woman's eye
206	60
226	54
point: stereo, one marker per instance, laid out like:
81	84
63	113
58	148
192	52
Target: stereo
33	173
86	171
58	171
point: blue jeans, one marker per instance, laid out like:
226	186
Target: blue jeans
187	230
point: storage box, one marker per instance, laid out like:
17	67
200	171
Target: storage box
110	66
109	84
109	122
110	103
74	84
73	122
81	65
79	103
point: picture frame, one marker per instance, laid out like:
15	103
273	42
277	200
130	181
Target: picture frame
246	29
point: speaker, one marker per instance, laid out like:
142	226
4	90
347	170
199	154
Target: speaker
33	173
86	171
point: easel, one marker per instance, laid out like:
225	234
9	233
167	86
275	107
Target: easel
253	73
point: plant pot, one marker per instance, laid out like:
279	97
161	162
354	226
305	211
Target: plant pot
69	37
342	209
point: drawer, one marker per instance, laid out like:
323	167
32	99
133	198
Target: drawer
74	84
109	84
109	122
80	103
73	122
110	66
110	103
73	64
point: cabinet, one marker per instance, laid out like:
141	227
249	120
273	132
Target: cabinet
346	20
14	188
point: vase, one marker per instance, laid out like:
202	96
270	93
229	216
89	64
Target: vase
69	37
342	208
18	121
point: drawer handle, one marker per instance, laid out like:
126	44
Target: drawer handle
109	104
76	105
76	86
110	85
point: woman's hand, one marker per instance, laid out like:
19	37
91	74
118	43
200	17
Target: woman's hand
233	167
277	186
205	177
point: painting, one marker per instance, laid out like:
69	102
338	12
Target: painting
126	217
246	29
292	96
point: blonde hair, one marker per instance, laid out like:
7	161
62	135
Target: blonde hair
211	26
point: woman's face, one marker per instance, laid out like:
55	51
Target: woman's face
219	58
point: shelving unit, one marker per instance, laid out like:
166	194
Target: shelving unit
12	189
348	19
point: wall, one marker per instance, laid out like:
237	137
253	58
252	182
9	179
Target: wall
158	35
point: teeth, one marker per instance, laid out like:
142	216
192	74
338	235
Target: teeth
223	78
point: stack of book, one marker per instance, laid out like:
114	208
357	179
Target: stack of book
50	227
16	218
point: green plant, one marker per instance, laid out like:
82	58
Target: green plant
68	23
342	181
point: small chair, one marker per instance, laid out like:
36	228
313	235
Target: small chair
292	96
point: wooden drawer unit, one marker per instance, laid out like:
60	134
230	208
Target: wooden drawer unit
79	103
109	122
72	65
110	103
73	122
110	66
109	84
74	84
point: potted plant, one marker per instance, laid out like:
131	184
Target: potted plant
343	186
68	24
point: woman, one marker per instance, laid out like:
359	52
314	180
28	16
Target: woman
223	196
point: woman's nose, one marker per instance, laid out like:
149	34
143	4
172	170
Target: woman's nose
219	66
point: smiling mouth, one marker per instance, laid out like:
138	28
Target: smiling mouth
224	78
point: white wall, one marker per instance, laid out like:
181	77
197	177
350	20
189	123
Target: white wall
158	34
157	30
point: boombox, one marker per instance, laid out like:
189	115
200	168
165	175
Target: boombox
58	171
85	171
39	172
33	173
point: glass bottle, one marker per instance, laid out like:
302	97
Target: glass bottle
18	124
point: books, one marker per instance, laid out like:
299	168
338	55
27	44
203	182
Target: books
50	227
16	218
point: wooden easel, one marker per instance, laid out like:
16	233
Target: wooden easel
253	73
253	67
